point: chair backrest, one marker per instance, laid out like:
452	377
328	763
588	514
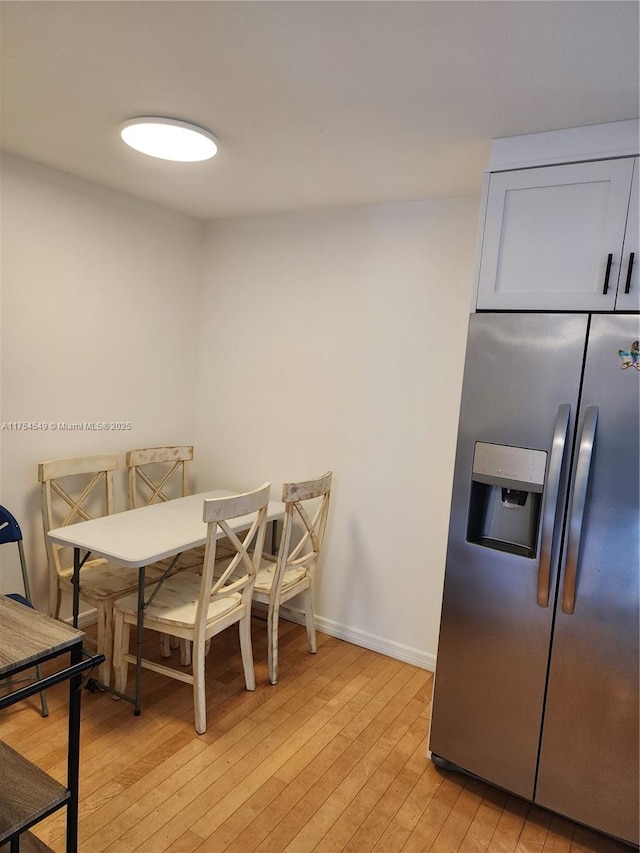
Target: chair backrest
309	522
74	489
10	532
158	474
236	573
9	527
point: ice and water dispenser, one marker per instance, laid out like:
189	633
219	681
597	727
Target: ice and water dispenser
506	497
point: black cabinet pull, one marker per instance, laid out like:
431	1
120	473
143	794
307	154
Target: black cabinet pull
607	274
627	286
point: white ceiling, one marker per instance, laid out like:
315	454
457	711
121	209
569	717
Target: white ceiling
315	103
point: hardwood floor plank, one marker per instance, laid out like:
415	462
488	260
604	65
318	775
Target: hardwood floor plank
230	791
263	834
533	837
208	824
434	816
317	826
187	843
559	835
98	808
458	822
584	840
332	758
508	829
393	839
374	711
340	711
418	800
375	824
105	811
481	829
352	829
173	800
233	827
342	679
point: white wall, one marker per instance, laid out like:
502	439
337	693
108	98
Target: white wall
335	340
330	339
99	306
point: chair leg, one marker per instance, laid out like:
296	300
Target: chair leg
43	698
185	652
308	618
55	596
244	627
199	703
272	641
165	645
120	648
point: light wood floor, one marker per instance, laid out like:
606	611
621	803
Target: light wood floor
332	758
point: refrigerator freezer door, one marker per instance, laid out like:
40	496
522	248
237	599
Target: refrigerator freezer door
521	371
589	755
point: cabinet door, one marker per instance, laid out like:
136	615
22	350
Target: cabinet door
628	298
548	236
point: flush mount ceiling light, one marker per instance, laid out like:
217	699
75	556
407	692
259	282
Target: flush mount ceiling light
169	139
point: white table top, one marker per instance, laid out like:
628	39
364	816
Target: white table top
138	537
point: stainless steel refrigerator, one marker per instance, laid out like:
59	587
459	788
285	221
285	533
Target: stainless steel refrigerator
536	685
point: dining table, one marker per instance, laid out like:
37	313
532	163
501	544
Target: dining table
137	538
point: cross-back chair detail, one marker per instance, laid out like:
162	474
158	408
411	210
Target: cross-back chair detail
195	608
79	489
152	469
291	572
74	481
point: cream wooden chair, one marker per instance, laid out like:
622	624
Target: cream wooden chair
291	572
195	608
155	475
78	489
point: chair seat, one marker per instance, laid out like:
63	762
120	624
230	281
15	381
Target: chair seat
176	602
103	580
266	572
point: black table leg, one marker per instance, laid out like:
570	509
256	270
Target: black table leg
76	585
73	761
139	639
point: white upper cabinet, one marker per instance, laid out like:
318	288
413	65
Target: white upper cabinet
628	298
554	238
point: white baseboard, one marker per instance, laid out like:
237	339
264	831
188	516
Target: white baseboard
407	654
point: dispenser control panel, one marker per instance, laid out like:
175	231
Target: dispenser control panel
512	467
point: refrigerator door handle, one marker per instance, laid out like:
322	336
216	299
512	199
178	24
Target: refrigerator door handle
556	464
578	503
